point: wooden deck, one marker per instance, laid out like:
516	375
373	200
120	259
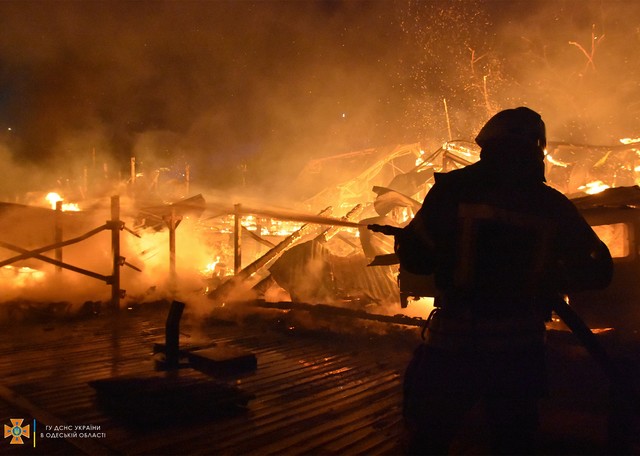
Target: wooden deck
315	391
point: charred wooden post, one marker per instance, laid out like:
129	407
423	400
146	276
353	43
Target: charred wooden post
58	233
115	249
237	239
172	222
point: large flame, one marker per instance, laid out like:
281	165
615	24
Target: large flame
53	198
594	187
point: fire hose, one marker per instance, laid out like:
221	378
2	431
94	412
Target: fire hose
625	402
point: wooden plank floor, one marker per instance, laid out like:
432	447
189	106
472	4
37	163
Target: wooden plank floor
311	394
316	392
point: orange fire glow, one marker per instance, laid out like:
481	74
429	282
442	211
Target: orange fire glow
211	267
594	187
53	198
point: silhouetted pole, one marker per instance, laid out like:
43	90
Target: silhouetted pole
115	249
58	232
172	222
237	240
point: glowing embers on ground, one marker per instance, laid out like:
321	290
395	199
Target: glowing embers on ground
53	199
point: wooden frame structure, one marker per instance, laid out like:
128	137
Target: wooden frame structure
115	225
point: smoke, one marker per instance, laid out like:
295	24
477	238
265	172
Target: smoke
237	89
247	92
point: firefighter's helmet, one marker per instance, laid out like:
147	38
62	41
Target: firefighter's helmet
519	124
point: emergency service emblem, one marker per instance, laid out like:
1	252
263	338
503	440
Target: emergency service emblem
16	431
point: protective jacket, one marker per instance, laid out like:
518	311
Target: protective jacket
501	243
502	246
482	233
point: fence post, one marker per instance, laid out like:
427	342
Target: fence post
237	240
58	232
115	248
172	222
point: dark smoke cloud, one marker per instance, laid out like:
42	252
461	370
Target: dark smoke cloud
213	83
270	84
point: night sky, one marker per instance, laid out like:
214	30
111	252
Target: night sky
246	92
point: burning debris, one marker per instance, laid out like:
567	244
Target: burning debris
192	248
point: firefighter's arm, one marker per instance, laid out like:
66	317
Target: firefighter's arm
411	247
414	244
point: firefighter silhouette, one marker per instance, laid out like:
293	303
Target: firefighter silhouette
502	245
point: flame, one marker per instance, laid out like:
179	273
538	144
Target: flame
211	267
594	187
630	140
53	198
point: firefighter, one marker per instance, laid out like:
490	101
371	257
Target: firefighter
502	245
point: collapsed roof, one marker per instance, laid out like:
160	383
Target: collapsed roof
389	185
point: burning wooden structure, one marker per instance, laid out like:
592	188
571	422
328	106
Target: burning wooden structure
326	378
292	255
